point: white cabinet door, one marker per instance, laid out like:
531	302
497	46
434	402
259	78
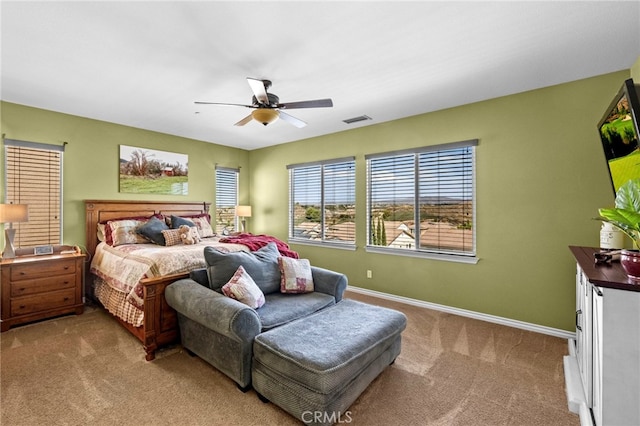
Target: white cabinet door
616	356
583	332
596	402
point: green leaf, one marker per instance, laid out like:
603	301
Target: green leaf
628	196
626	214
619	216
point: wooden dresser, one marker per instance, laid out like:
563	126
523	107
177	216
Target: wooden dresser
38	287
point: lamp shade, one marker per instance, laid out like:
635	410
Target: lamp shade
243	211
14	213
265	115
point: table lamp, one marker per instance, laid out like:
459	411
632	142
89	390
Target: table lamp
243	212
10	213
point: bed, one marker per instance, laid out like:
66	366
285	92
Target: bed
140	306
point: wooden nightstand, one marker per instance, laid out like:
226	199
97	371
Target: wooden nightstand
38	287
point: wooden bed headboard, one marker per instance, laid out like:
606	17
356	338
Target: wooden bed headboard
102	210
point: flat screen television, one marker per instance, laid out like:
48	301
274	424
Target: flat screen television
619	130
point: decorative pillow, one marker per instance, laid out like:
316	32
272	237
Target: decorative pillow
152	230
202	222
101	232
204	227
242	288
118	232
261	264
176	221
296	275
171	237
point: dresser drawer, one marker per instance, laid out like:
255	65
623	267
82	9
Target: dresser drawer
42	302
42	270
42	285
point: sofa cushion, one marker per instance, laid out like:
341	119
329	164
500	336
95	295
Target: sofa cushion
242	288
261	264
280	309
296	275
200	276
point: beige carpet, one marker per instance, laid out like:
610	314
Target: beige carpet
86	369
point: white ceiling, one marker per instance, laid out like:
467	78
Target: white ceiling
143	64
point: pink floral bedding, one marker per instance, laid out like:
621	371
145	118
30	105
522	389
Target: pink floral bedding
121	268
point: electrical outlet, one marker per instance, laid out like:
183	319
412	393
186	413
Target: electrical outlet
369	273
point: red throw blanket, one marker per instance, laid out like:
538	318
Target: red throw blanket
255	242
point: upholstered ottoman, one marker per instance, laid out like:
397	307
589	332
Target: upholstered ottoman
316	367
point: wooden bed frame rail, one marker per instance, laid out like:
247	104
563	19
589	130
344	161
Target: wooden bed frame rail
160	326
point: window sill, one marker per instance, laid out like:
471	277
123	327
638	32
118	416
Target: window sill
424	255
341	246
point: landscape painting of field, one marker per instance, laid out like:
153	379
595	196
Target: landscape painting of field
149	171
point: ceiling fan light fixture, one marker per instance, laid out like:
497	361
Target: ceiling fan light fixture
265	115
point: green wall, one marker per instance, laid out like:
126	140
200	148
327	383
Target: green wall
91	168
635	71
541	176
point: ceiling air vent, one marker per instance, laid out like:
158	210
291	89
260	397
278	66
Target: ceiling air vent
356	119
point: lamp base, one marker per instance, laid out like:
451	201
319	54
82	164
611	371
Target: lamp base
9	250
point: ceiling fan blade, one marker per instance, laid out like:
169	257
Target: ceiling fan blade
318	103
244	121
292	120
259	90
221	103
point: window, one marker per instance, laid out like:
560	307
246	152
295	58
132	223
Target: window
33	176
322	202
422	202
226	199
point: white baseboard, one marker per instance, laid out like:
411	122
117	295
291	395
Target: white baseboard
465	313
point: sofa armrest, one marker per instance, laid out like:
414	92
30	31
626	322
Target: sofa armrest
329	282
224	315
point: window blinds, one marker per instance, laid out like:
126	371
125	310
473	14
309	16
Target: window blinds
322	201
33	177
423	199
226	199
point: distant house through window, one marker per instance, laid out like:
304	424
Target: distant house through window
33	176
422	201
226	200
322	202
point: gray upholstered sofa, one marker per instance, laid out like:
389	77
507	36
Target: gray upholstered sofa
220	329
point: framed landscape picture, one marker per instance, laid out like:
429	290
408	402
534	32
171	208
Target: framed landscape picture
148	171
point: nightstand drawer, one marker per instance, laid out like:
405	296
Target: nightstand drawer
42	285
42	269
36	303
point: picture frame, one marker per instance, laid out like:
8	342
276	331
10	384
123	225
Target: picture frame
150	171
42	250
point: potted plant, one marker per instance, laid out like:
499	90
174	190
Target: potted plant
626	217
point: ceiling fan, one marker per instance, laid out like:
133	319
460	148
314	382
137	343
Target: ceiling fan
267	106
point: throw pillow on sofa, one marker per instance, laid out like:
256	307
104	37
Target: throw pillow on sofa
296	275
261	264
242	288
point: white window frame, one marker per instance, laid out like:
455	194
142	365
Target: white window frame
463	256
324	168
